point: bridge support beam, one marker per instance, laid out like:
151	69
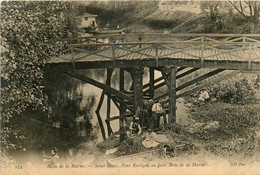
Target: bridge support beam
137	75
151	83
172	94
99	116
122	108
108	83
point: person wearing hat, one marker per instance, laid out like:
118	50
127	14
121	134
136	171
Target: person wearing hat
157	112
135	127
53	159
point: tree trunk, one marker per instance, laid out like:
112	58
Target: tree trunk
255	19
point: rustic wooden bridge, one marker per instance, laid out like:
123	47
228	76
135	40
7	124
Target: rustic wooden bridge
175	55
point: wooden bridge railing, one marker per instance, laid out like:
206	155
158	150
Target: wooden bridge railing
192	36
120	37
192	46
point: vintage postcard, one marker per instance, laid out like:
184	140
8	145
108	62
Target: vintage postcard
130	87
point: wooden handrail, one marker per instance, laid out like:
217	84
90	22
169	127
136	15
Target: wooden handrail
87	37
164	42
201	34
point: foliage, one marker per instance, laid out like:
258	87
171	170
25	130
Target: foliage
234	120
115	13
250	11
166	20
230	17
234	90
30	33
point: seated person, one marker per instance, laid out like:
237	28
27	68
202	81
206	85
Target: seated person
204	95
135	127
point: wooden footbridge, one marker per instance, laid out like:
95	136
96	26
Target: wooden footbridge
175	55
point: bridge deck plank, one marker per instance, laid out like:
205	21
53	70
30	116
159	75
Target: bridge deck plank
190	54
172	52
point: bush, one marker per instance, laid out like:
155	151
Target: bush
164	20
236	91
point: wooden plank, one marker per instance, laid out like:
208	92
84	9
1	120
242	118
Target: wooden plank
87	37
187	73
122	105
166	81
203	34
172	96
155	87
108	90
115	101
110	130
190	82
221	52
180	43
207	84
108	83
114	118
198	79
211	39
155	81
138	51
221	64
177	52
137	75
254	40
180	69
220	78
99	117
151	83
178	76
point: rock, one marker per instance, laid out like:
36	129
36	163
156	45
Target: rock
162	138
149	143
111	151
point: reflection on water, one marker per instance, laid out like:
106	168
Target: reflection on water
88	90
72	113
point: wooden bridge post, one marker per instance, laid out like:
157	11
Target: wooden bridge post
122	108
151	83
137	75
172	95
108	82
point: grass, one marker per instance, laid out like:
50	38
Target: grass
236	133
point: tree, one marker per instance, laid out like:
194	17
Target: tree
30	34
249	10
231	16
214	12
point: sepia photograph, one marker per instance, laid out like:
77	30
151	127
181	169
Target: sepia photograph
117	87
